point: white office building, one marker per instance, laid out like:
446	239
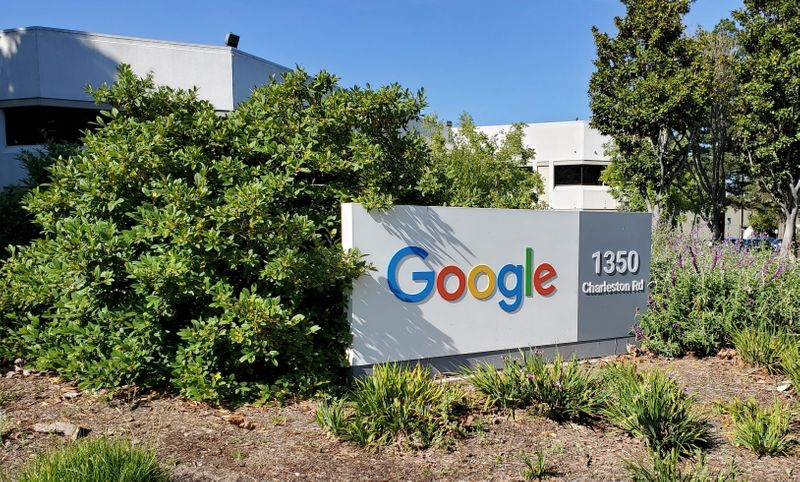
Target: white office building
44	73
570	157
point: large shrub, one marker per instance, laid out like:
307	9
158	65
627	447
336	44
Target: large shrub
17	226
701	294
189	249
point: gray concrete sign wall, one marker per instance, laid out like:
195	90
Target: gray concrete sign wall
456	285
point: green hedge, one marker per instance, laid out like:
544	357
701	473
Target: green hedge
200	251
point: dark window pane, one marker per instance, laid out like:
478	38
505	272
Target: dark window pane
36	124
567	175
578	175
591	175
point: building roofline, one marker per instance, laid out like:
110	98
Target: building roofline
81	33
579	121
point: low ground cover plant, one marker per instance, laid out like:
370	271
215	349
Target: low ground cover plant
396	404
668	468
562	390
790	364
535	466
96	460
762	346
652	406
764	430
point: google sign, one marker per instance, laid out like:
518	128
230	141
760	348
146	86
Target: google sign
464	284
523	280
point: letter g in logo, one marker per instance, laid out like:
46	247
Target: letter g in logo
426	276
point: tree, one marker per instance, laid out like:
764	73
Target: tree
711	154
632	190
768	120
469	168
202	252
644	94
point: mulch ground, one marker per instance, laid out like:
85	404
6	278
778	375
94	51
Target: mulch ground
205	443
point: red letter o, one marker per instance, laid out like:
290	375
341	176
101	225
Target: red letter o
442	277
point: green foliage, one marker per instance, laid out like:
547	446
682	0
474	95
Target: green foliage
96	460
702	294
17	227
667	468
645	94
330	415
187	249
768	114
790	364
652	406
536	467
762	347
396	404
764	221
563	390
677	199
469	168
765	431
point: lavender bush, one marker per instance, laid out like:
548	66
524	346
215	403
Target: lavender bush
702	293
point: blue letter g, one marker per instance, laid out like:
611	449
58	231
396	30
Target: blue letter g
426	276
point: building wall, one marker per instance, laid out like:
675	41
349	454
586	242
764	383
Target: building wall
565	143
249	72
736	221
51	67
55	66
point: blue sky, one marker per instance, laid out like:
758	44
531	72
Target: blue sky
502	61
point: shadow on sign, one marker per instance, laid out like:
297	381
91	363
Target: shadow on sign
392	336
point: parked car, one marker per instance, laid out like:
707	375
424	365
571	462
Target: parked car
766	242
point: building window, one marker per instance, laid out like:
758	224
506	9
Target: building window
38	124
578	175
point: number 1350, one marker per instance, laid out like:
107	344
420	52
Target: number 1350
619	262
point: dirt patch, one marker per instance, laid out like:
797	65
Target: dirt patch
284	443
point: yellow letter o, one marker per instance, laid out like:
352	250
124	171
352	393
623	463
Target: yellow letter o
472	281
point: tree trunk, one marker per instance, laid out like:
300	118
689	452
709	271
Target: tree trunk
787	243
717	223
656	210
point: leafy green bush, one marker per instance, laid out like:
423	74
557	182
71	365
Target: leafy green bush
701	295
96	460
653	407
17	227
762	347
396	404
667	468
187	249
563	390
765	431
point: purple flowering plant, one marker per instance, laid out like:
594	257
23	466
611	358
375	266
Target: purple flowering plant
701	292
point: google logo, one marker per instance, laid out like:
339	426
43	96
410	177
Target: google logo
514	281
